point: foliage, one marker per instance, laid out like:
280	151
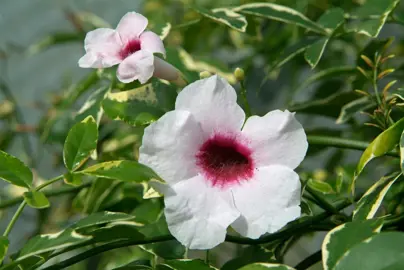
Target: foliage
324	60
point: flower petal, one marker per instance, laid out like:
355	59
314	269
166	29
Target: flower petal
170	145
213	102
268	201
152	43
138	66
276	138
198	214
102	46
131	26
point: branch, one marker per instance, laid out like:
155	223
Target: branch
342	143
48	193
298	226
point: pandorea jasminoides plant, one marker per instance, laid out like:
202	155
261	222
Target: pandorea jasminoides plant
221	171
130	46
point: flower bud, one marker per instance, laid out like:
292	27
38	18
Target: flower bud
239	74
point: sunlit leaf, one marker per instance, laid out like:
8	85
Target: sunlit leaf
80	143
225	16
280	13
371	17
385	142
379	252
3	247
265	266
36	199
338	242
370	202
14	171
123	170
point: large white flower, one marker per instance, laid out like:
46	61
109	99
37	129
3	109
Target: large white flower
130	46
220	173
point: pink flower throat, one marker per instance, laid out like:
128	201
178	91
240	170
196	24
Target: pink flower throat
131	47
225	161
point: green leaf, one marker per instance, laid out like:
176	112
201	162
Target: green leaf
136	107
225	16
49	242
353	107
73	179
327	74
402	152
320	186
14	171
199	64
92	106
292	51
329	106
331	20
314	52
80	143
100	218
265	266
36	199
370	202
372	16
121	230
280	13
379	252
338	242
55	39
249	255
123	170
3	247
162	29
385	142
187	265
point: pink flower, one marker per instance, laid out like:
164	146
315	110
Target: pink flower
130	46
221	170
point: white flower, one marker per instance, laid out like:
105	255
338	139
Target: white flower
220	173
130	46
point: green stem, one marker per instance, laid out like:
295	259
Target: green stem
374	82
342	143
297	227
22	205
106	247
48	193
14	219
245	100
321	201
309	261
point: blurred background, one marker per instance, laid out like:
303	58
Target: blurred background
42	40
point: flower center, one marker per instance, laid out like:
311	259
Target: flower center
225	161
130	48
